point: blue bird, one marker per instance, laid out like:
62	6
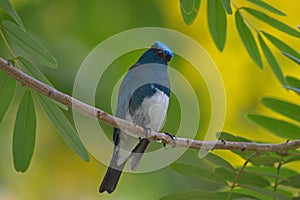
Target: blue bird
143	99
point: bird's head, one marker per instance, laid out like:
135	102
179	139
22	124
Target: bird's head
158	53
162	51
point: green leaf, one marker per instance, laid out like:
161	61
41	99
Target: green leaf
273	22
29	45
229	137
196	195
7	92
267	6
287	109
24	133
63	126
9	9
292	81
227	6
292	159
248	39
277	127
297	90
271	60
219	161
281	45
269	171
217	22
197	172
293	181
36	73
264	191
265	171
296	60
245	178
189	10
265	160
294	84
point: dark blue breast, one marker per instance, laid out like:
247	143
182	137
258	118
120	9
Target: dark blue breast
145	91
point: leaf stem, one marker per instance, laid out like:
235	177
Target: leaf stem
248	21
14	58
239	175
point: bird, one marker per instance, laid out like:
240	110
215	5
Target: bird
143	98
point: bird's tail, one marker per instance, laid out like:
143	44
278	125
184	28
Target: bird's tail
138	152
114	171
111	179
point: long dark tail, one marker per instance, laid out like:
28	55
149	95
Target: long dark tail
111	179
137	153
114	172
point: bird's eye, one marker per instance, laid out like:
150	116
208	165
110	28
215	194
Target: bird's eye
160	52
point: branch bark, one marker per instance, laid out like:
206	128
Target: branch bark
30	82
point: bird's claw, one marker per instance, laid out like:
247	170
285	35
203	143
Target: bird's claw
146	131
173	138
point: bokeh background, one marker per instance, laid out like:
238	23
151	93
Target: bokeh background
70	29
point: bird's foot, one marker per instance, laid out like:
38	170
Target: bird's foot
173	138
147	131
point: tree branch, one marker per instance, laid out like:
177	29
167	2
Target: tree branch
122	124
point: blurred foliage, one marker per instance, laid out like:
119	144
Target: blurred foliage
70	29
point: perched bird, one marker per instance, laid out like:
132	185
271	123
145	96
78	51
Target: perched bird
143	99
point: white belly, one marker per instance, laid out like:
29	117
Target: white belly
152	113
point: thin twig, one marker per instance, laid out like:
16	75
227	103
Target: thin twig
239	175
245	17
276	179
131	127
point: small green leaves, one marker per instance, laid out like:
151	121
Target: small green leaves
63	126
189	10
7	92
273	22
278	127
24	133
248	39
266	160
296	60
217	22
267	193
293	181
271	60
9	9
229	137
281	45
293	84
287	109
197	172
36	73
196	195
29	45
227	6
219	161
245	178
268	7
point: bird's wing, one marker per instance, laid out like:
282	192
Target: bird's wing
124	143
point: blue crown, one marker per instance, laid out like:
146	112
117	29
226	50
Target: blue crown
162	46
